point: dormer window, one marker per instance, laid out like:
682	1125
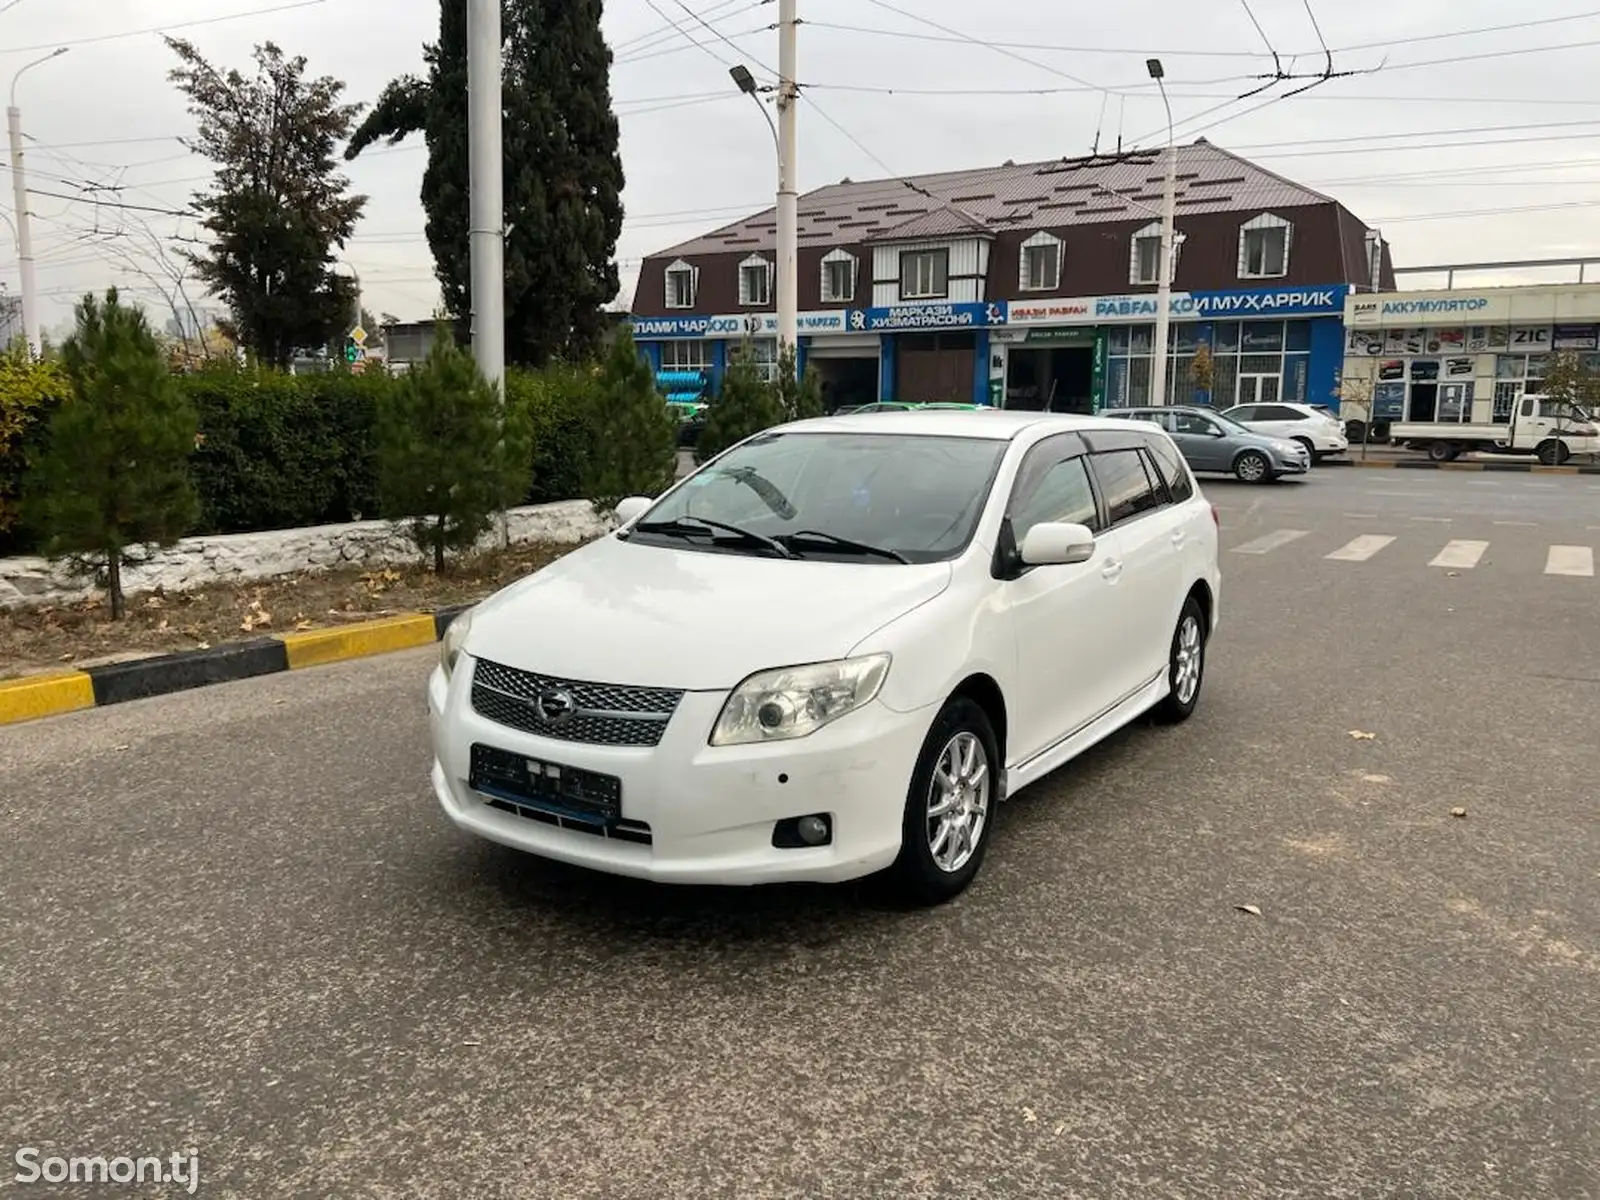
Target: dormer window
1144	263
682	284
755	282
1264	247
1041	263
838	277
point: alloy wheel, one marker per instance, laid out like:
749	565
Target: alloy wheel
1186	660
958	802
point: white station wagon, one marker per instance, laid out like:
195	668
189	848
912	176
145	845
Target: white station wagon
833	650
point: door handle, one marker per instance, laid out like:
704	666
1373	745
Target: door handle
1111	570
1179	537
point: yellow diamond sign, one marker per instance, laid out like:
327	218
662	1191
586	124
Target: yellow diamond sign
358	335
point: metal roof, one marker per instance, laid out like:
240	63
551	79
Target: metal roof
1059	192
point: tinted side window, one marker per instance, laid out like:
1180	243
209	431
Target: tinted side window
1167	459
1125	484
1062	495
1246	414
1280	413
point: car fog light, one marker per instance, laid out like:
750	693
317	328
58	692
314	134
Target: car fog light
813	831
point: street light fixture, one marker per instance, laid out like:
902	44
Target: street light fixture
1158	364
19	188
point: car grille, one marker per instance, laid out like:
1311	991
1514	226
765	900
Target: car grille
623	831
604	714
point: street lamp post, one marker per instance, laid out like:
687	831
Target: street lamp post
19	186
1169	203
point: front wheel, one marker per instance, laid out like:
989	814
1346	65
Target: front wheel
1442	451
1252	467
950	805
1186	666
1553	453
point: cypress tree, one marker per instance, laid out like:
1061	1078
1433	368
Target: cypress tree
800	395
562	171
446	462
113	478
635	447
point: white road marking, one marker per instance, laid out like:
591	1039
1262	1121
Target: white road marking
1439	520
1362	548
1269	543
1362	516
1532	484
1460	555
1518	524
1570	560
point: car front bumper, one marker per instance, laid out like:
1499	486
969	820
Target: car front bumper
1295	462
710	810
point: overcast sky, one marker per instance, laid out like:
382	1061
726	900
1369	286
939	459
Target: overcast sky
697	154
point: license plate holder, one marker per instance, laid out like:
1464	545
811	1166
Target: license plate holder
568	792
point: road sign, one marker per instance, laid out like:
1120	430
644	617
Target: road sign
358	335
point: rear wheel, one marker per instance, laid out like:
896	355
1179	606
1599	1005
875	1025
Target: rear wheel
1553	453
1442	451
1310	448
1186	665
1355	432
950	805
1252	467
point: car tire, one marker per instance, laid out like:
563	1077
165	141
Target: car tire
1442	452
1354	432
962	737
1252	467
1311	450
1186	665
1553	453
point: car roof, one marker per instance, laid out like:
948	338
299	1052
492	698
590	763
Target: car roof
991	423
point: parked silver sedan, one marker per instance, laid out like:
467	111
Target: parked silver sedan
1213	442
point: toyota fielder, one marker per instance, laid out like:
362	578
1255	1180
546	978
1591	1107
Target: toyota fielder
834	649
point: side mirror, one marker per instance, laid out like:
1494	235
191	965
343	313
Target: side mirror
1050	545
632	508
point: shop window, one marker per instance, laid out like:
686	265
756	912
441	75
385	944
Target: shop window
924	274
1264	247
755	281
686	356
1261	337
838	277
1226	335
1040	268
682	284
1297	336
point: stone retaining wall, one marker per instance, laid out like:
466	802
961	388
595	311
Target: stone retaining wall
239	557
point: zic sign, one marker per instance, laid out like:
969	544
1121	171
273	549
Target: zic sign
928	316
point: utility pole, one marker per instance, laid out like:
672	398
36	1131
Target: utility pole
487	208
788	197
19	187
1169	204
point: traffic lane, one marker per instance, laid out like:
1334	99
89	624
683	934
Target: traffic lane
248	931
1334	491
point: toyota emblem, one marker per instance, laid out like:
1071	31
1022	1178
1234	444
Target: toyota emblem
555	708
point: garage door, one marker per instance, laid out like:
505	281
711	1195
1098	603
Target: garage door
936	368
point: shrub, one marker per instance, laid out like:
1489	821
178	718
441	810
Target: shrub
799	395
279	451
114	474
745	406
447	461
635	448
560	403
30	392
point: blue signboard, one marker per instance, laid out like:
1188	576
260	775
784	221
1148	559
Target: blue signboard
941	315
1315	301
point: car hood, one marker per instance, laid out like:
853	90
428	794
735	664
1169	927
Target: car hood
653	616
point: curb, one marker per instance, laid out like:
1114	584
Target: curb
48	695
1405	464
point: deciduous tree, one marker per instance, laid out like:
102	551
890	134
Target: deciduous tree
277	209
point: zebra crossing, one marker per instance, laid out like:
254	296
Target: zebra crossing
1456	554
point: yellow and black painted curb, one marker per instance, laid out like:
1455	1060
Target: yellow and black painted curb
1407	464
46	695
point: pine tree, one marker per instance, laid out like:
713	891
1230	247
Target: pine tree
562	170
635	447
447	463
114	475
277	210
799	394
745	406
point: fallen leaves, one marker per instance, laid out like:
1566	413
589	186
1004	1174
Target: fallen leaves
1458	812
1028	1115
1248	908
1362	736
256	618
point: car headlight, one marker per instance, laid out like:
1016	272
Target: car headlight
795	702
454	638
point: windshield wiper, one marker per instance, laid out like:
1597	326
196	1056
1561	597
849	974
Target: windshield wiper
688	526
841	543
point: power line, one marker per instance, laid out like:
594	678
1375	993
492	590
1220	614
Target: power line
659	30
717	33
1488	212
111	37
661	50
166	212
1277	63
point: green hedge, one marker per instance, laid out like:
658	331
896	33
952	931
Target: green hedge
279	451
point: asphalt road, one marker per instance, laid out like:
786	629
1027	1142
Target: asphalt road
235	922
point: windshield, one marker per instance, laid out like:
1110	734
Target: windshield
1230	425
869	497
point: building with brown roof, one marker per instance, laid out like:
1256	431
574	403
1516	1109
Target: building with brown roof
1030	285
